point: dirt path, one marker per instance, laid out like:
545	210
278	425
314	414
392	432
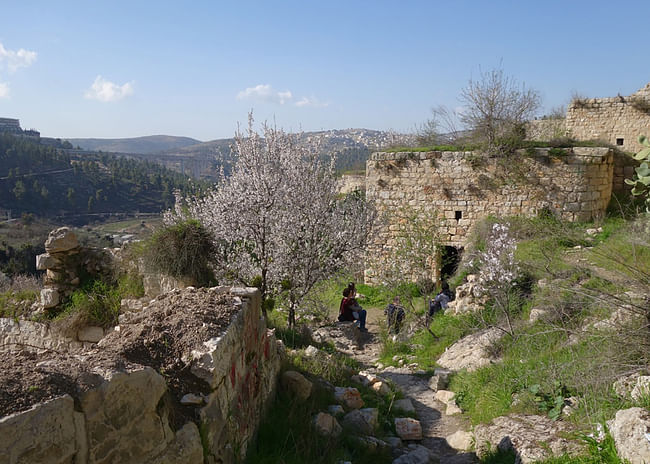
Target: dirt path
431	413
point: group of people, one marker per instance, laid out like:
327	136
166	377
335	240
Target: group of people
351	310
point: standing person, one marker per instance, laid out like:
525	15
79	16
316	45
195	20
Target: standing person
394	316
350	310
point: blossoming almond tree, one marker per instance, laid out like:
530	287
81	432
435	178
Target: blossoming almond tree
278	220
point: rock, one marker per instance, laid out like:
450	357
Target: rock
453	409
468	298
394	442
61	240
186	447
336	410
326	425
628	429
192	399
46	261
408	428
570	405
641	389
362	421
49	297
624	385
538	314
382	388
311	351
357	379
438	382
417	454
46	433
404	405
461	440
90	333
297	384
129	305
533	438
371	443
591	232
348	397
444	396
471	352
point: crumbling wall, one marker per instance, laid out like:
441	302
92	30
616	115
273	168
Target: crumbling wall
461	188
617	121
125	418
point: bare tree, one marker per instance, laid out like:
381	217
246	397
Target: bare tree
496	108
277	219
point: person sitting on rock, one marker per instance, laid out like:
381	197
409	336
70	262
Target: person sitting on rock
439	303
394	316
350	310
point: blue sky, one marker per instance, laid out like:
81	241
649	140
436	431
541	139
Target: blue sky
124	69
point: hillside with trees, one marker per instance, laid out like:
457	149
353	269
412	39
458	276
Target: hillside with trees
48	182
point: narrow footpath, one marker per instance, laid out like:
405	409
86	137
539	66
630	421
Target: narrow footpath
436	425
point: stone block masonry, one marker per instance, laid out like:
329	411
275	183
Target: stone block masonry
617	121
126	416
461	188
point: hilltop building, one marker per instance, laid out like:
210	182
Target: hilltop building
12	126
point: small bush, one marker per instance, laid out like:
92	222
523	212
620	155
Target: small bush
183	250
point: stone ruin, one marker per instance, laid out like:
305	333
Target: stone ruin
461	188
65	262
143	391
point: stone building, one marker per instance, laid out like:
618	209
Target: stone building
617	121
461	188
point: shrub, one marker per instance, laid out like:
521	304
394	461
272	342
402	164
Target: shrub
183	250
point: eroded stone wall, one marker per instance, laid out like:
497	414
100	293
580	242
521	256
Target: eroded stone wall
126	417
460	188
617	120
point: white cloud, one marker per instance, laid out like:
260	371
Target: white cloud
4	90
16	59
311	101
265	93
106	91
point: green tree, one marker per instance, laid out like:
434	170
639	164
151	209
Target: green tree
19	190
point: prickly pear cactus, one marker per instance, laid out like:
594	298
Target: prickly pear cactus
641	181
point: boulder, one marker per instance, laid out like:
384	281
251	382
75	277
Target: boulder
49	297
294	382
91	333
186	447
362	421
417	454
472	351
641	388
439	381
445	396
46	261
336	410
326	425
538	314
408	428
461	440
532	438
348	397
190	399
629	429
311	351
61	240
452	409
382	388
468	298
404	405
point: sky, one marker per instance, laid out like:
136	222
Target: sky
132	68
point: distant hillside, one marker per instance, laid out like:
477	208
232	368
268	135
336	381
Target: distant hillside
47	182
145	145
351	146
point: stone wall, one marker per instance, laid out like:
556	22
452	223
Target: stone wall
544	130
461	188
126	417
616	121
350	182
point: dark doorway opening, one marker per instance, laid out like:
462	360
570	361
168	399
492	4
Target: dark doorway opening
449	261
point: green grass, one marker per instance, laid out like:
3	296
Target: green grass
13	304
